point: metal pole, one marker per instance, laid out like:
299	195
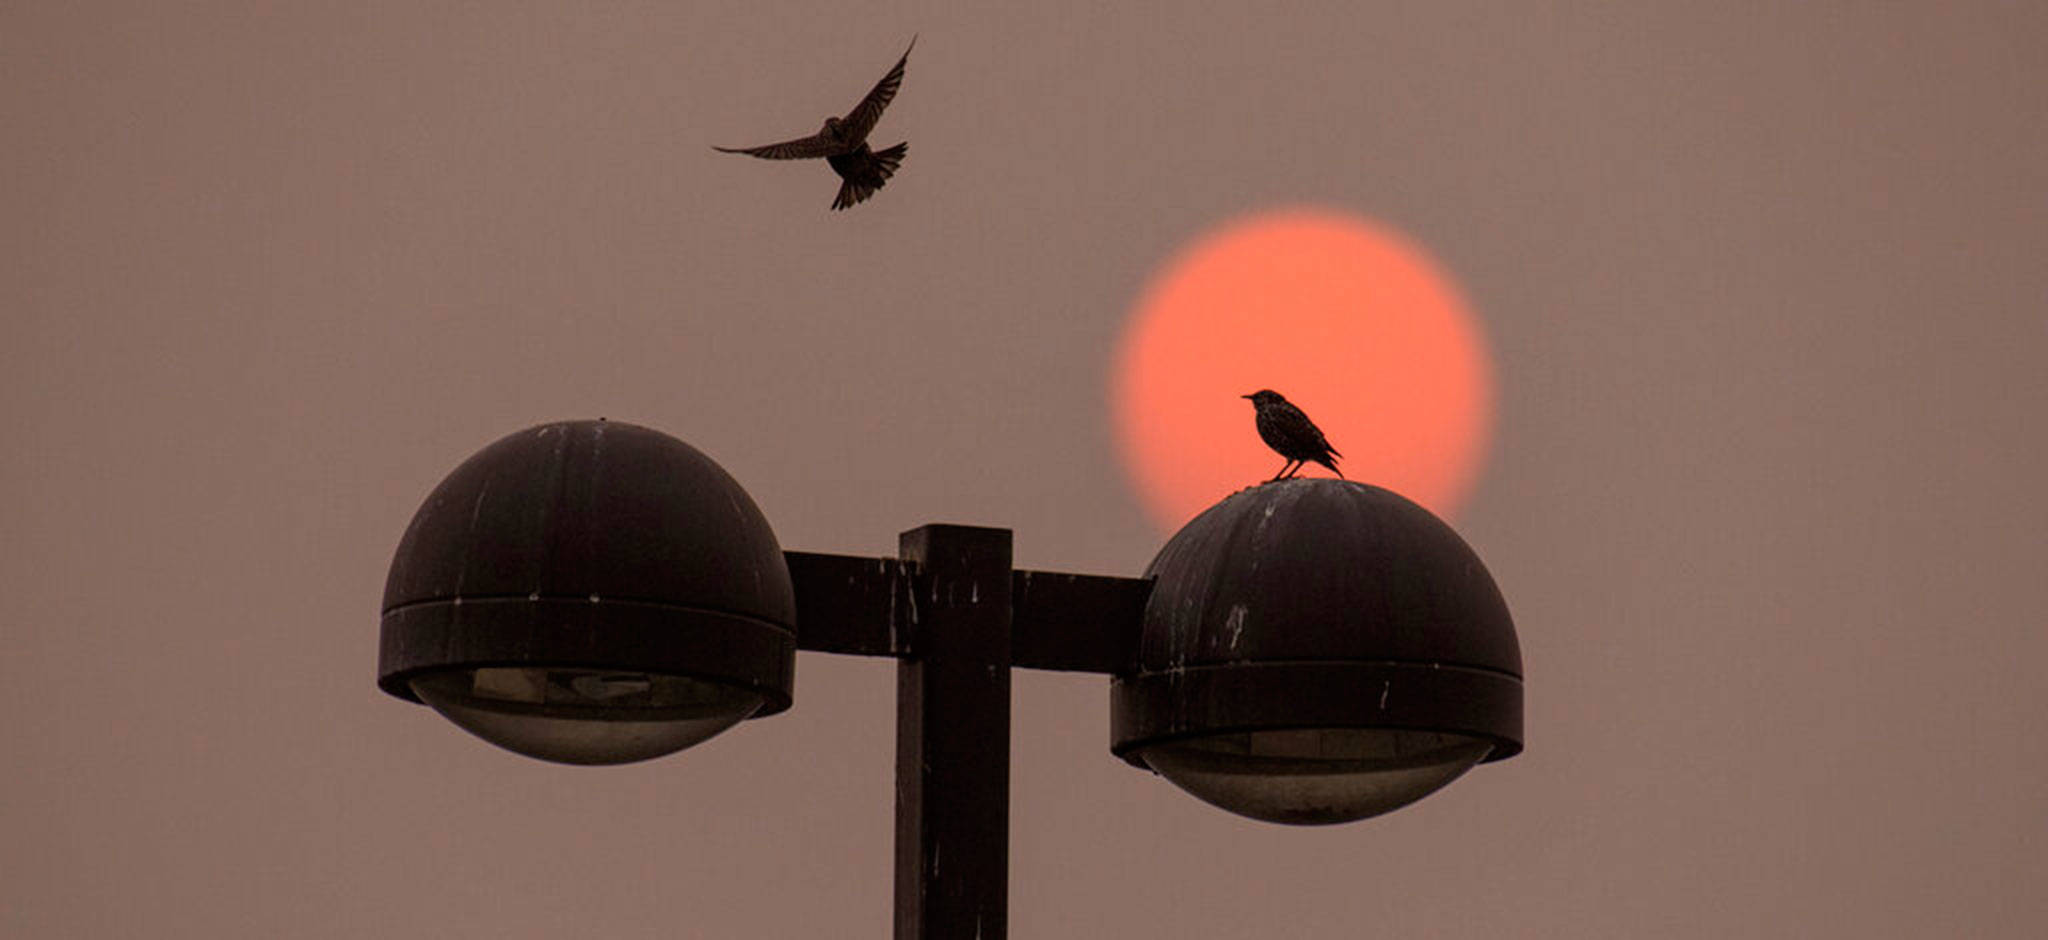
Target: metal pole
953	737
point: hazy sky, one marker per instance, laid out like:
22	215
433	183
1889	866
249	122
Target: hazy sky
1763	282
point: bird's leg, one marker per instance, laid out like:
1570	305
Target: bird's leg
1277	477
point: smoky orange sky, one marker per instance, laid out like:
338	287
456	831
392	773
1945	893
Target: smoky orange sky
1760	285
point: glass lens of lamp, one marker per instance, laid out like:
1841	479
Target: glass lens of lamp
585	716
1315	776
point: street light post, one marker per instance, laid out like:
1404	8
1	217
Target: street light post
956	615
1307	652
953	737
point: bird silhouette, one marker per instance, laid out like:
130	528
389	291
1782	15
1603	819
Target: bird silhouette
1289	432
843	142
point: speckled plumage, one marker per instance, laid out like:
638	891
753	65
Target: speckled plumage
1291	434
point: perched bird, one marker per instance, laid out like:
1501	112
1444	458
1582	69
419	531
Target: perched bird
1285	429
844	143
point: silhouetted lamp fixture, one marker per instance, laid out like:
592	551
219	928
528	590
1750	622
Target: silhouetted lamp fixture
1316	651
1310	651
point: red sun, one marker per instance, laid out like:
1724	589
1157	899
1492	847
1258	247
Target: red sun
1348	319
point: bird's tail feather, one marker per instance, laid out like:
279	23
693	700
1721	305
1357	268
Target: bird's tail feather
886	162
850	193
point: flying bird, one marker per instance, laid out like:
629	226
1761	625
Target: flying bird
844	143
1289	432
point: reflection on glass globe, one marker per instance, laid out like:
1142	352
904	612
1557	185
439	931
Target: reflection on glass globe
585	716
1315	776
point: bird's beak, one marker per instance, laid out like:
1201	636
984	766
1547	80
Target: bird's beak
1244	396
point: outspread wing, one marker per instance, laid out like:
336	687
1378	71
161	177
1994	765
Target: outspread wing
862	118
816	145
